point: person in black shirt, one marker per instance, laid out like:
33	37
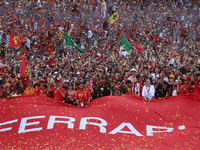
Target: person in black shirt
96	93
104	86
170	85
160	87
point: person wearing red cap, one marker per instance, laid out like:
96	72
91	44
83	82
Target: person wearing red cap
51	62
41	90
82	96
60	92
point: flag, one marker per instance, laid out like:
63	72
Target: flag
13	40
156	39
2	66
106	45
113	18
24	72
137	46
71	43
48	44
125	47
167	41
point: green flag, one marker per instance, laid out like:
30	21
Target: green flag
125	47
71	43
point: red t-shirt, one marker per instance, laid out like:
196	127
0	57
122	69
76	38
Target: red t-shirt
40	91
82	97
57	95
51	63
134	85
195	88
52	89
182	87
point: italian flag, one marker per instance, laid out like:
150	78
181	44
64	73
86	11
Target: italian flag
125	47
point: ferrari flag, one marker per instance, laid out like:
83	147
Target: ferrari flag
113	18
13	40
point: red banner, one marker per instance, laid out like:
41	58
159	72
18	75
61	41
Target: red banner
124	122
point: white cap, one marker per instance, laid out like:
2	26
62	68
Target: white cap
133	70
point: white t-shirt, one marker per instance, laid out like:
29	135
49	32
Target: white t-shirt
103	5
89	34
39	4
148	92
28	42
35	25
14	95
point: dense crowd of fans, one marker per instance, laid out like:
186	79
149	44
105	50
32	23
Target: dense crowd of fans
166	67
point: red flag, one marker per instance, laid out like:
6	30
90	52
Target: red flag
24	73
48	44
156	39
106	46
137	46
167	41
13	40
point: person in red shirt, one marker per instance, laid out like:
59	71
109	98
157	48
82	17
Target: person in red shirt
137	86
82	96
193	86
41	90
51	62
59	92
184	86
51	88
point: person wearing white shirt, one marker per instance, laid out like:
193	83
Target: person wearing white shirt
28	42
148	91
104	9
35	25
